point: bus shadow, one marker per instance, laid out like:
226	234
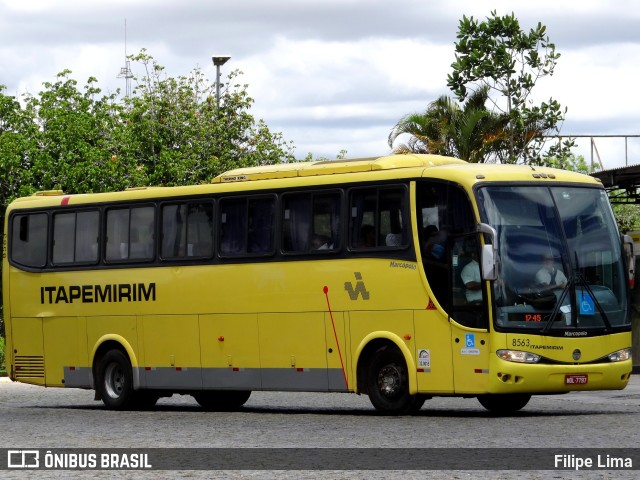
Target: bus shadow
347	412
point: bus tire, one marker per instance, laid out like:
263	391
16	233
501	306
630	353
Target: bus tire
504	404
388	384
115	381
222	400
418	402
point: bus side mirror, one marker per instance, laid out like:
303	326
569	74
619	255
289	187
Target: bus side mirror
488	263
489	253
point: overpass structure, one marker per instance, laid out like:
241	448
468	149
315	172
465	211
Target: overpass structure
622	184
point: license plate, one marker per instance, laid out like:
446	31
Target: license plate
576	379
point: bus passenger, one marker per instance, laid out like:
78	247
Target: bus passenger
472	281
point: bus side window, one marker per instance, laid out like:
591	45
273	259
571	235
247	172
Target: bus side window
187	230
311	222
75	237
246	226
378	218
29	240
130	233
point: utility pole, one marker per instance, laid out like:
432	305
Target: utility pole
218	62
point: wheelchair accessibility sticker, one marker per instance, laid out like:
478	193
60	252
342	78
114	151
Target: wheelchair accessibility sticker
470	340
470	345
587	306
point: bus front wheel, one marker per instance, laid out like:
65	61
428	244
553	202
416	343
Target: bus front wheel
388	384
504	404
115	381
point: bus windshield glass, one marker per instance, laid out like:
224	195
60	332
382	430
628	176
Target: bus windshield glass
560	265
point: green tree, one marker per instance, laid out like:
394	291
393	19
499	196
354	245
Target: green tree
571	162
74	137
469	132
498	55
17	144
627	216
176	133
340	156
170	131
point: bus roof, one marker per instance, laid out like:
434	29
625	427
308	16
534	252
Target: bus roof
335	172
304	169
448	168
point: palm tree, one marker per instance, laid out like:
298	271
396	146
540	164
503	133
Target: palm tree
470	132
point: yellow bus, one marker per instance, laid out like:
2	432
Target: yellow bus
400	277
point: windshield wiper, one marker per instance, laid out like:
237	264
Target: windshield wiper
556	308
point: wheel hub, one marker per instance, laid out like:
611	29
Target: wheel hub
389	381
114	381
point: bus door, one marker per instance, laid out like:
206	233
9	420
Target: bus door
449	244
468	317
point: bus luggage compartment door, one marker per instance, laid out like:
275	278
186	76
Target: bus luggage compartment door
28	359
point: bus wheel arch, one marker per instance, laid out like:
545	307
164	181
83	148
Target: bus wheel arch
114	342
114	378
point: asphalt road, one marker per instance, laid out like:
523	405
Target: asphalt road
42	418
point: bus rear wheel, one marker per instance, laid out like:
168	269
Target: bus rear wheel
222	400
504	404
388	384
115	381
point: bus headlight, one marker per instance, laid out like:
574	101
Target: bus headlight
620	355
518	356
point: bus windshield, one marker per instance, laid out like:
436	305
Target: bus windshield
560	267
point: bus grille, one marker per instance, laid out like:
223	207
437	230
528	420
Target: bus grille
27	367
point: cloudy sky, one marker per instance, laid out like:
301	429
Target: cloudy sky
334	74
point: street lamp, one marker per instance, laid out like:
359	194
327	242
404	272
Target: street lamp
218	62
